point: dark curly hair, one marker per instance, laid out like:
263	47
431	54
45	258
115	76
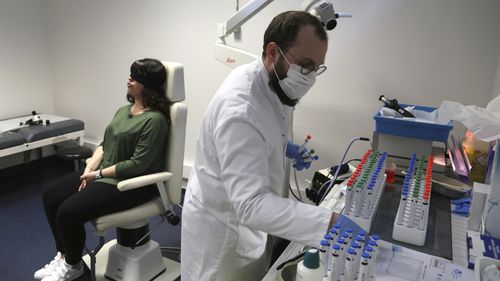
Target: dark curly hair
153	75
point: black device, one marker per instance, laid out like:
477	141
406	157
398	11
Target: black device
318	188
393	104
35	120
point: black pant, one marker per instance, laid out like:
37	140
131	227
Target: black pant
68	209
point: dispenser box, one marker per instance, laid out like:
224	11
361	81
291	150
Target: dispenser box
481	246
408	127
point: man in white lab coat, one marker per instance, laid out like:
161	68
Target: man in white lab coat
232	200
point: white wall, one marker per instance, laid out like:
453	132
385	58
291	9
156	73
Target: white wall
421	52
25	72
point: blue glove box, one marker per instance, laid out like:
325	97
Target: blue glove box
407	127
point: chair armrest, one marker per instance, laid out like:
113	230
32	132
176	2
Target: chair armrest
141	181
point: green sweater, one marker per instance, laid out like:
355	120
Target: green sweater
135	144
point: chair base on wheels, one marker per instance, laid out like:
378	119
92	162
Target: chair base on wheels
172	273
143	263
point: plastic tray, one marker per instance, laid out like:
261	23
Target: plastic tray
407	127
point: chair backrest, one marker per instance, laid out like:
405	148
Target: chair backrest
177	131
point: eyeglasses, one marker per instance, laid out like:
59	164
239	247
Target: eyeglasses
306	70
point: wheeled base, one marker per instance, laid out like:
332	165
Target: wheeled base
143	263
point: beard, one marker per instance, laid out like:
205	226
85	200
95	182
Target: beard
279	67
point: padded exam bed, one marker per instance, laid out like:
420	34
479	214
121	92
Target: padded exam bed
15	138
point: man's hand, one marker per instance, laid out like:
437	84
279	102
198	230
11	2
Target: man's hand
302	159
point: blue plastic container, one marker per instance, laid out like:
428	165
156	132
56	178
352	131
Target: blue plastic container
406	127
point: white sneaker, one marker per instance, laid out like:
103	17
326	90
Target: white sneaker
50	267
64	272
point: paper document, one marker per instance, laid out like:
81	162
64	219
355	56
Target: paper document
396	263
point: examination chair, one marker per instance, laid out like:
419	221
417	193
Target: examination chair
135	257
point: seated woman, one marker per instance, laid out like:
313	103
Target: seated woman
133	145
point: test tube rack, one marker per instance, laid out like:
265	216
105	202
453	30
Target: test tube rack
364	189
410	225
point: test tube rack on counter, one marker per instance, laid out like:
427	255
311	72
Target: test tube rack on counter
364	189
410	225
347	256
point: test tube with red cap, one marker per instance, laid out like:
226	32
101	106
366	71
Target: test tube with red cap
303	145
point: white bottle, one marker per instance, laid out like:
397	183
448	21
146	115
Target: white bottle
310	269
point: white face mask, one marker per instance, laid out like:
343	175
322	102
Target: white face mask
296	84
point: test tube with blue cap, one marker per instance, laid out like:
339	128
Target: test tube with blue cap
369	201
375	246
334	264
361	235
402	205
358	246
334	234
369	250
324	244
349	265
330	240
345	236
341	259
349	232
376	239
364	270
335	231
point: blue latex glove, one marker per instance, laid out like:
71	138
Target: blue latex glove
302	159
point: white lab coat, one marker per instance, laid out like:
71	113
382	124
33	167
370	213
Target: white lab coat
231	201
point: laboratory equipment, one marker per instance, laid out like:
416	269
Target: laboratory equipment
410	225
401	137
326	14
35	120
449	187
322	178
394	104
364	189
332	181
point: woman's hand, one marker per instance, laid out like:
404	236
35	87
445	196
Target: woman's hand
83	184
85	178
